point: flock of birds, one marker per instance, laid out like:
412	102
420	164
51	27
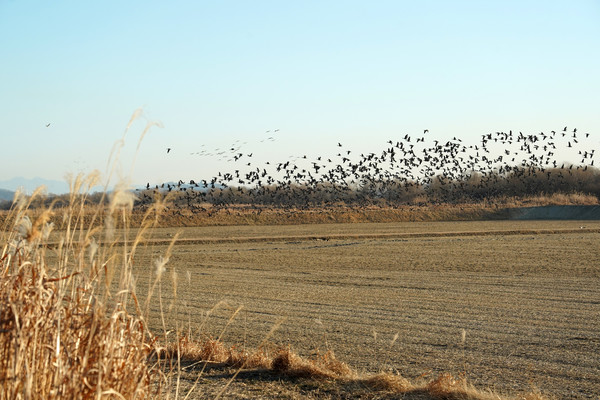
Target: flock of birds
406	165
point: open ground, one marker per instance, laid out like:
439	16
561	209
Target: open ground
510	304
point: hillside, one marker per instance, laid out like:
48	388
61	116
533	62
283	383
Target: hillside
6	195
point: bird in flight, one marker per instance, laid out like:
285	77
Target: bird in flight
47	125
168	150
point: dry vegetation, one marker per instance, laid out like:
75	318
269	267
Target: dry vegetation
175	213
76	321
63	335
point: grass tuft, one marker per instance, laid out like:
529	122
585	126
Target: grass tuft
326	367
389	383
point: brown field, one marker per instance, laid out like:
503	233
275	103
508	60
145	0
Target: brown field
396	297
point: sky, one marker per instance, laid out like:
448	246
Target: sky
217	74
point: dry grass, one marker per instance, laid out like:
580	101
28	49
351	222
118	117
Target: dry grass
419	211
71	325
63	334
325	367
172	215
280	360
555	199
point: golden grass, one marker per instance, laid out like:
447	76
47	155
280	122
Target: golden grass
63	334
325	366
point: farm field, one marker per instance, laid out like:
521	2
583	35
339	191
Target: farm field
510	304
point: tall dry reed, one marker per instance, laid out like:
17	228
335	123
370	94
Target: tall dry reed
65	330
71	325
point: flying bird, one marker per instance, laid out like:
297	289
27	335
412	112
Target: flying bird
168	150
47	125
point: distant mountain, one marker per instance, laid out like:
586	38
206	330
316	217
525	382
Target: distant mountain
6	195
29	185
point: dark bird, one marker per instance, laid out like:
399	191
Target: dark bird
168	150
47	125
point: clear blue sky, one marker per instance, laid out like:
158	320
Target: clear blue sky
322	72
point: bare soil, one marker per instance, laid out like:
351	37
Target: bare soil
395	297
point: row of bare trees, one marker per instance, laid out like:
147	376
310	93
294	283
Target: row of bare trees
472	188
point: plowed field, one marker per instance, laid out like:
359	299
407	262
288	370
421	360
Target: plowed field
511	304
